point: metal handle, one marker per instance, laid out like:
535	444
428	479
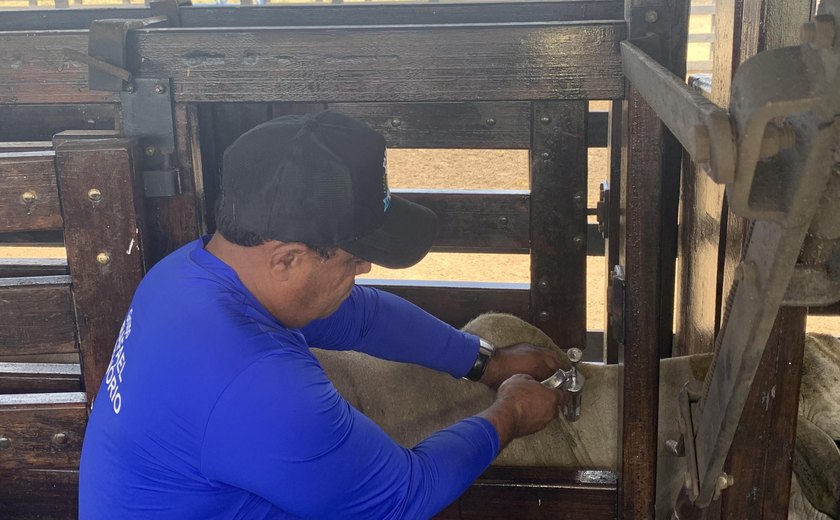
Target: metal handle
572	382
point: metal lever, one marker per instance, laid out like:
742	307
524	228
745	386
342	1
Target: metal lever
572	382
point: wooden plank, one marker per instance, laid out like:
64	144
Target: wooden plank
11	267
458	302
42	122
540	493
446	125
39	494
43	431
346	14
37	316
28	192
25	146
23	378
37	58
105	241
558	221
611	336
173	221
477	221
383	64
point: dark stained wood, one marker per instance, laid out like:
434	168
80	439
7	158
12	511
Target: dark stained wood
34	173
761	457
42	122
346	14
611	346
558	221
115	227
26	378
458	302
39	494
476	221
540	493
30	422
37	316
351	64
37	58
174	221
10	267
829	310
446	125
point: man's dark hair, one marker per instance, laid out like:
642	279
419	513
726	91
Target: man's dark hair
233	233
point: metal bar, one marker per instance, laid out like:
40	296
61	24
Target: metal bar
702	127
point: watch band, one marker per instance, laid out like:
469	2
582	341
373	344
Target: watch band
482	359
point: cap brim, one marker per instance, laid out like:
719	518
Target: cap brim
403	239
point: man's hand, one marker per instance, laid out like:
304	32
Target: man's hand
523	358
523	406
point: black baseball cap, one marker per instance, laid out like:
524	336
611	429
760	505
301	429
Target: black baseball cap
322	180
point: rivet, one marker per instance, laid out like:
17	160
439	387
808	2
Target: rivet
579	240
543	284
396	122
103	258
503	221
5	443
94	195
651	16
59	438
545	156
490	121
543	316
150	151
28	197
578	198
160	88
130	88
545	120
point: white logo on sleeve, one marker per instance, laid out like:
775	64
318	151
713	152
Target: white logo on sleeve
113	377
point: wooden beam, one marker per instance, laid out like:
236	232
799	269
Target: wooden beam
458	302
38	316
326	14
39	494
43	431
105	241
26	267
558	221
28	192
23	378
477	221
383	64
42	122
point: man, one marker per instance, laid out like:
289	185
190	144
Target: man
214	407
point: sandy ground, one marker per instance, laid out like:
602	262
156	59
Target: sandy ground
475	169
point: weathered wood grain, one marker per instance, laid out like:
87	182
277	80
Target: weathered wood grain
105	241
558	221
42	122
37	58
43	431
37	316
39	494
352	64
28	174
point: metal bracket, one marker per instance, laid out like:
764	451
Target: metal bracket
602	209
147	115
616	302
106	44
161	183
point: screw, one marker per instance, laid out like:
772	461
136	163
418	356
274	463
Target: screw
103	258
503	221
578	198
543	284
651	16
545	156
28	197
724	481
150	151
490	121
5	442
94	195
130	88
543	316
545	120
579	240
160	88
396	122
59	438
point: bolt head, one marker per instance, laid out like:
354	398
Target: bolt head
490	121
59	438
103	258
160	88
503	221
545	156
579	240
94	195
543	284
396	122
5	443
129	88
543	316
575	354
150	151
545	120
651	16
29	196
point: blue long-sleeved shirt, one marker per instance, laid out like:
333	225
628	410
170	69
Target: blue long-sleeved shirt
211	408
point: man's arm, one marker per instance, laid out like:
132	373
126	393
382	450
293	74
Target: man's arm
282	432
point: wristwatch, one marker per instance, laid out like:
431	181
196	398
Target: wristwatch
485	352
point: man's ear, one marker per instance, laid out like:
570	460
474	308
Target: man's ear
285	257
